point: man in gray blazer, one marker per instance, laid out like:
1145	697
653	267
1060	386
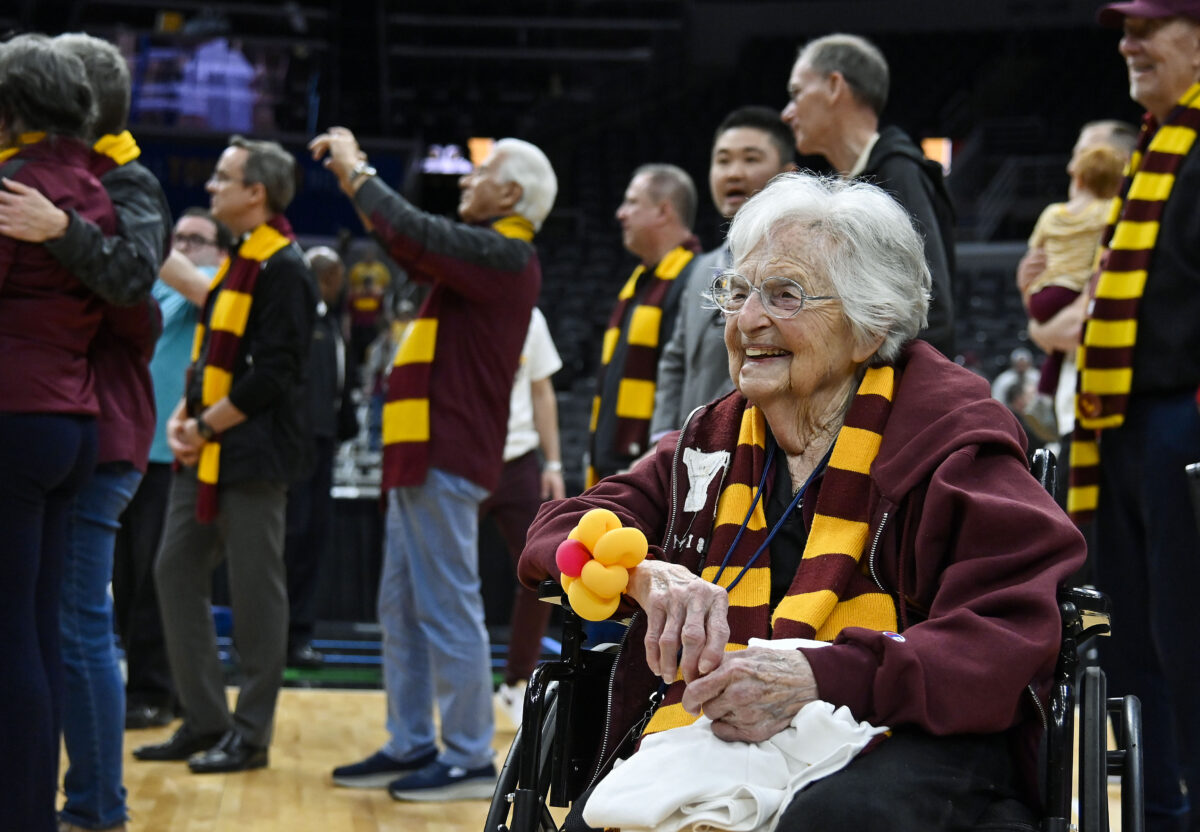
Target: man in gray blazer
749	148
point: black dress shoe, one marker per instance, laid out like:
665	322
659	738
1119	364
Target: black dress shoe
305	656
183	744
232	753
147	716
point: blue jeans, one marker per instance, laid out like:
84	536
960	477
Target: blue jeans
1148	561
435	644
94	720
44	460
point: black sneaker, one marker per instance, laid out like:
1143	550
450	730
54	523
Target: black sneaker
438	781
378	770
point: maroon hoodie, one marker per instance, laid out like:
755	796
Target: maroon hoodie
960	531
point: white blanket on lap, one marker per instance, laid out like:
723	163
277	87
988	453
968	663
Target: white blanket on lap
688	779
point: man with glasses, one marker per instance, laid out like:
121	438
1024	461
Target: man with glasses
237	434
1137	426
198	245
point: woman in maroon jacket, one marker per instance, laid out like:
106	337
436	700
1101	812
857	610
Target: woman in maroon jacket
857	489
47	412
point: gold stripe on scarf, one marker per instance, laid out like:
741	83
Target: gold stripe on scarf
121	147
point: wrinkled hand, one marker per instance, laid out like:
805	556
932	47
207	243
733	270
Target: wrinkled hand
25	214
1030	268
183	440
754	694
340	150
682	611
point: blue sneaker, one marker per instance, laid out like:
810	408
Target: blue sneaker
438	781
378	770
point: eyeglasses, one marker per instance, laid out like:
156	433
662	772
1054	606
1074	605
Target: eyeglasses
192	240
223	178
781	297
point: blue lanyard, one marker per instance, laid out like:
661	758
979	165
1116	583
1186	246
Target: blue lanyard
758	495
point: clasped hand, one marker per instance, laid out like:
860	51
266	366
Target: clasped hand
750	695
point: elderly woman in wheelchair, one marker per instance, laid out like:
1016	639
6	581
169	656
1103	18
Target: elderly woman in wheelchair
858	490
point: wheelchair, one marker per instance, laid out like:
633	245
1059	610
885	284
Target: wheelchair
552	760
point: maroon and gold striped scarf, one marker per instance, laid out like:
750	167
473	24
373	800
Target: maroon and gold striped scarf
1105	358
635	396
406	411
227	309
832	589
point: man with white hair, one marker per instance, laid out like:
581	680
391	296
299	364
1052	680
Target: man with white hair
444	426
837	90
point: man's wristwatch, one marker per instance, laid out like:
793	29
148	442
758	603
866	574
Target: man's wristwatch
360	170
552	465
204	429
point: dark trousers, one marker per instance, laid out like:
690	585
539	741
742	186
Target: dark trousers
307	544
910	782
513	505
44	460
1148	561
248	536
135	598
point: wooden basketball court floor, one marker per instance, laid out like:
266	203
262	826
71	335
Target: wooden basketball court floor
315	730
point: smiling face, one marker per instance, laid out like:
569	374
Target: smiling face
809	109
806	363
1163	59
484	196
743	161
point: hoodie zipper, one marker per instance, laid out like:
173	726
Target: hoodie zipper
612	676
1040	709
874	546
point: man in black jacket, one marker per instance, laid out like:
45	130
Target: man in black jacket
240	438
838	89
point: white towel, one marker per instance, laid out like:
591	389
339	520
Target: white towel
688	779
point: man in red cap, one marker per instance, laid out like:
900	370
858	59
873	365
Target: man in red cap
1137	424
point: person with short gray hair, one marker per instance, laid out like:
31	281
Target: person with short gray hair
883	280
838	90
526	165
851	504
444	426
656	218
239	437
121	268
269	165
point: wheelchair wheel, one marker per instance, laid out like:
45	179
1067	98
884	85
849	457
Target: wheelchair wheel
1093	744
521	807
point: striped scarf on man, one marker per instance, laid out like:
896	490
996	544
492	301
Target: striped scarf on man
635	394
832	589
406	412
227	310
1105	358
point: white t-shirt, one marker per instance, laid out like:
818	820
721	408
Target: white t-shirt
539	360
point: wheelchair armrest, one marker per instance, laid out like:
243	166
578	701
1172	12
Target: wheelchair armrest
1086	612
550	592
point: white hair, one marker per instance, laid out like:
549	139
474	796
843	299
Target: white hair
527	165
864	242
